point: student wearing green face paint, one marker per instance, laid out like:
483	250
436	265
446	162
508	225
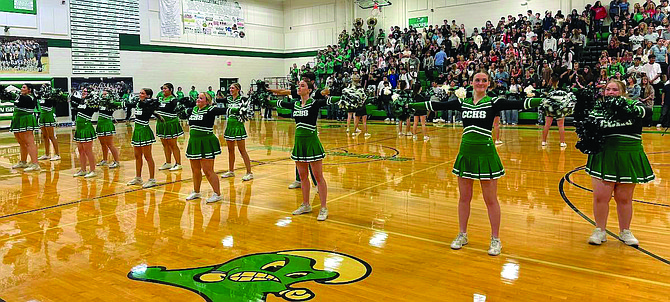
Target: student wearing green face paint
169	129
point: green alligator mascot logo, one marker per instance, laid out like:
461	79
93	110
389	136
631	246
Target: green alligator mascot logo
254	277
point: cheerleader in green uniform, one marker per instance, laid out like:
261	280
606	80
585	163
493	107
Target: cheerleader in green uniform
618	168
84	133
307	149
235	133
203	146
548	120
168	129
143	137
23	124
106	130
47	123
477	158
419	115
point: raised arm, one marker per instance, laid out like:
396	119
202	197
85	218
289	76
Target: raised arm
325	102
501	103
436	106
282	104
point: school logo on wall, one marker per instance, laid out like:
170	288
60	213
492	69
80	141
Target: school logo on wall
254	277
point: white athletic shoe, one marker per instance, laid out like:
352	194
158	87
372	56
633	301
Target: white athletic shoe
114	165
499	142
304	208
415	137
102	163
165	166
55	157
323	214
368	135
544	144
294	185
135	181
658	125
563	145
628	238
248	176
495	247
90	174
228	174
193	195
426	138
20	165
43	157
150	183
176	167
214	198
408	134
401	134
358	130
460	241
598	237
79	173
33	168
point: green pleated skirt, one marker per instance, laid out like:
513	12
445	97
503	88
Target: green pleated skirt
622	160
84	131
47	119
308	149
478	160
202	145
105	127
23	121
142	136
168	129
234	130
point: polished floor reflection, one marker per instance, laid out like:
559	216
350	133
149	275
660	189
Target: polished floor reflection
392	203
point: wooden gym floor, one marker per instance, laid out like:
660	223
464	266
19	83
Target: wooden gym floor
392	203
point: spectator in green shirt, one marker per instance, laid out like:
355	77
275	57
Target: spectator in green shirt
193	94
211	92
180	94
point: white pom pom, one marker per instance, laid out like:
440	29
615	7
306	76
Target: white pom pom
461	93
395	96
530	91
12	88
446	88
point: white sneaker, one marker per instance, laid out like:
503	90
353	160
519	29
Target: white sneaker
228	174
598	237
387	120
214	198
358	130
193	195
248	176
176	167
20	165
304	208
114	165
499	142
628	238
367	135
347	130
409	134
90	174
101	163
150	183
460	241
43	157
415	137
426	138
55	157
165	166
563	145
323	214
33	168
544	144
135	181
658	125
79	173
294	185
401	134
495	247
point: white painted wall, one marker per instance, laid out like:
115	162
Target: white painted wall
311	25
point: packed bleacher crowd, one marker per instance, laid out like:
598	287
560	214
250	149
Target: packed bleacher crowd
544	51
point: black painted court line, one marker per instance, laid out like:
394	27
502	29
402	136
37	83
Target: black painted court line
589	220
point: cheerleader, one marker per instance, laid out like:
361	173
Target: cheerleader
203	146
403	118
361	114
168	128
616	170
307	149
419	114
23	124
548	120
143	137
84	134
106	130
235	132
477	158
47	122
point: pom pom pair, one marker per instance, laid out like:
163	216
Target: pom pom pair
352	98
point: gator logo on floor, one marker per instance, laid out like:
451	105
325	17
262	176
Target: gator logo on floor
254	277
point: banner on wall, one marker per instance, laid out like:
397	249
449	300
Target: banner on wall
418	22
19	6
170	14
220	18
23	55
117	85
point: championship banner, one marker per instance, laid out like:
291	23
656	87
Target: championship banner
213	17
23	55
418	22
170	16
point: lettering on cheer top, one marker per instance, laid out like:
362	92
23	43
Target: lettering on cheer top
196	117
474	114
300	113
